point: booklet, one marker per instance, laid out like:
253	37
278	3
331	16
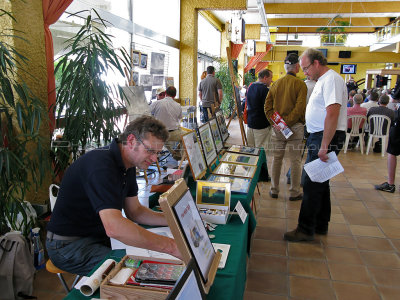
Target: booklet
280	122
320	171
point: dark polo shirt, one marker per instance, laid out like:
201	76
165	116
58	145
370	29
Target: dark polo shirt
97	180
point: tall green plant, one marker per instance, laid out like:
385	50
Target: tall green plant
223	75
87	105
334	35
248	79
21	114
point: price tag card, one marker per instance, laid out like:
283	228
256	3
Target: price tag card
242	213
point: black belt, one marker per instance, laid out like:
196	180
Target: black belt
53	236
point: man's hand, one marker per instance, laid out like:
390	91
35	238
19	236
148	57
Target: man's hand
323	154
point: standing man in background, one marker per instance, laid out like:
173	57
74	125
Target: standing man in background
287	97
210	92
326	121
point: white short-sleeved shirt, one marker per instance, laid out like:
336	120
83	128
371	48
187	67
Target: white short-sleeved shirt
168	111
329	89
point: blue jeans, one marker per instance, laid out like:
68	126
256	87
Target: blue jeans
204	111
79	256
315	211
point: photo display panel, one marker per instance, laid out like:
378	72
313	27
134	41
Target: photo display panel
195	233
195	156
207	142
221	125
216	134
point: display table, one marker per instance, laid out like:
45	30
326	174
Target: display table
229	282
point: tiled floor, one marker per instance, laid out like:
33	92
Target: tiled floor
358	259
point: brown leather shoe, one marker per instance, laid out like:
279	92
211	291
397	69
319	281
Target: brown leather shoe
299	197
297	236
273	195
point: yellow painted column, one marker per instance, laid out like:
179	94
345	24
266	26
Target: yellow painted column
188	41
29	16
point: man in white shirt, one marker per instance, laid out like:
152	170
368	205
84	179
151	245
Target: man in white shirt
169	112
373	101
326	121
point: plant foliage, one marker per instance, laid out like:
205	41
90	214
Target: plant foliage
21	114
227	105
334	35
87	106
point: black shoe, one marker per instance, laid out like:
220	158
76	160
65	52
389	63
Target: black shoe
297	236
273	195
288	180
264	178
386	187
299	197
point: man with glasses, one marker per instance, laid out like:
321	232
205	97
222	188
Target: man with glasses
93	192
326	121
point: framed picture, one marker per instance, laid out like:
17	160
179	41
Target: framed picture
146	81
244	150
222	125
213	193
135	57
195	156
169	81
238	101
143	61
188	285
216	135
207	143
238	185
236	170
239	158
194	232
158	80
157	63
135	77
153	94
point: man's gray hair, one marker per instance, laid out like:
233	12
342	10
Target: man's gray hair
358	98
313	55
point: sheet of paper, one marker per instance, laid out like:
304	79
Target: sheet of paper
131	250
224	249
242	213
320	171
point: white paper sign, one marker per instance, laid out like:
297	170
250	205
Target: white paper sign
320	171
242	213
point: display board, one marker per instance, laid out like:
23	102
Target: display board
222	125
194	154
207	143
244	150
236	170
240	158
238	185
216	134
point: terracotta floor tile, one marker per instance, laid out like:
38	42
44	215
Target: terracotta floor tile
381	259
360	219
396	244
269	247
355	203
389	293
354	209
391	232
306	250
331	240
260	296
378	205
373	244
336	209
339	229
269	283
338	218
308	268
362	230
384	213
310	289
268	263
343	255
269	233
349	272
271	212
349	291
385	277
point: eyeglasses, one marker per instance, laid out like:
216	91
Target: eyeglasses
149	150
305	69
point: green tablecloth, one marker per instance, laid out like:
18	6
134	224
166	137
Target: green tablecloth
229	282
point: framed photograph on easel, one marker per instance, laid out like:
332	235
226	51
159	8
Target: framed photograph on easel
195	156
222	125
219	145
207	143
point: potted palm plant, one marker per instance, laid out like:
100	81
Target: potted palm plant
22	151
87	105
334	33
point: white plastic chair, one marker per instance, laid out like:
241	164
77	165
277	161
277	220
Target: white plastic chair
378	124
356	120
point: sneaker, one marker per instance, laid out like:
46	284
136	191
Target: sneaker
297	236
273	195
386	187
299	197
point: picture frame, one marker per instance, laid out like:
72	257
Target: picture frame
169	81
213	193
158	80
207	143
143	61
157	63
238	101
135	78
146	81
135	57
195	156
219	144
238	185
222	125
240	158
235	170
244	150
188	285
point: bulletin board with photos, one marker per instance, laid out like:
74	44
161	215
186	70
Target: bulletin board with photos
207	143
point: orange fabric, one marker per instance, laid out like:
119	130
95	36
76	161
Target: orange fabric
52	11
235	50
261	66
257	58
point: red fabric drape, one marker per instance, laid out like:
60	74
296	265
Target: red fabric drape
261	66
52	11
256	58
235	50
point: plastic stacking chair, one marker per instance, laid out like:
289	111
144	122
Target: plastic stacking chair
378	122
356	120
50	267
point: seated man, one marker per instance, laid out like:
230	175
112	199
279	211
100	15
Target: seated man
169	112
93	192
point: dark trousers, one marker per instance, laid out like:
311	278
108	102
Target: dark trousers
204	111
315	211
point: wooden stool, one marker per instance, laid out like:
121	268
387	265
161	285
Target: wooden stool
50	267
